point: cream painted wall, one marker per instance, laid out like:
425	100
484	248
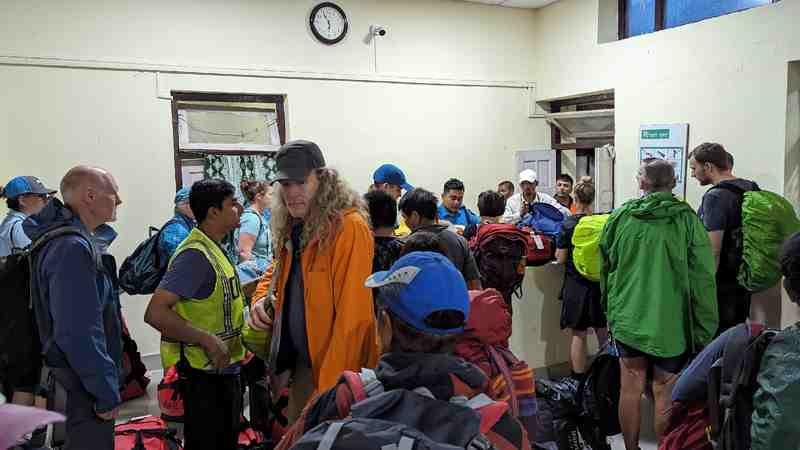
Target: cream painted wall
52	118
726	77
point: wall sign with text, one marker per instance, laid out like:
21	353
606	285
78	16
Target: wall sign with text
667	142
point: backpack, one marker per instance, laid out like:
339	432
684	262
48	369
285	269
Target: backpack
403	419
169	396
598	399
687	428
541	248
141	272
250	438
145	433
20	344
544	218
485	344
768	220
558	416
586	242
732	382
499	251
134	380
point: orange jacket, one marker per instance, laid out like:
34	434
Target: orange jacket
340	318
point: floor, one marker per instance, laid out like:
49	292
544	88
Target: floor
149	405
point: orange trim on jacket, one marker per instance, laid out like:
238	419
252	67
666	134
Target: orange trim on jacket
340	318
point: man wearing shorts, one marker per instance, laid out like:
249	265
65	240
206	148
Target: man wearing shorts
659	293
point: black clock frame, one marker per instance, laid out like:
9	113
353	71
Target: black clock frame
314	31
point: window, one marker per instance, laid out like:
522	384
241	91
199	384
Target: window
228	136
639	17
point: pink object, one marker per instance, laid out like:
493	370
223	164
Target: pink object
16	421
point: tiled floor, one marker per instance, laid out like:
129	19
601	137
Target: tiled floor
149	405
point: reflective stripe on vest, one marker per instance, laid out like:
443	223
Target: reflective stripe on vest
221	314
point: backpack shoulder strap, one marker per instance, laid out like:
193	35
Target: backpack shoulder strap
361	385
59	232
500	361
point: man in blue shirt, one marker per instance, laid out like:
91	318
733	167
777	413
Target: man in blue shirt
452	208
76	302
177	228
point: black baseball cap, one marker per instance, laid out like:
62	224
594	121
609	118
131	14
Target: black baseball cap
296	159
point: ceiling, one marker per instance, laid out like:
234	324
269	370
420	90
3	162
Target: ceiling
516	3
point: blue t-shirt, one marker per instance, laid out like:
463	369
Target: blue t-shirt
254	224
462	217
12	236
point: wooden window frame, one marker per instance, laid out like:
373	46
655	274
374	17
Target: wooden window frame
192	96
660	16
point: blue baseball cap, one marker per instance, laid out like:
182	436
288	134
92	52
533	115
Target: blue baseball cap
26	185
391	174
182	196
432	283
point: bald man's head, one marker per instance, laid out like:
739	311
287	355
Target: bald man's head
656	175
92	192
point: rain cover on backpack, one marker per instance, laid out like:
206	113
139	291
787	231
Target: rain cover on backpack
586	240
767	221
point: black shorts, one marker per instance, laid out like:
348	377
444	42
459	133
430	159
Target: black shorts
580	305
672	365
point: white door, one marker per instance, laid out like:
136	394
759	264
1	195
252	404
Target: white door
544	163
604	178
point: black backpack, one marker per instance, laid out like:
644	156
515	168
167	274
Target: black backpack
20	345
598	397
141	272
404	420
732	382
500	251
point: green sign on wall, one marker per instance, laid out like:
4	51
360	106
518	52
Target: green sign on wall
661	133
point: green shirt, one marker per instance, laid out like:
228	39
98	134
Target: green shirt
658	276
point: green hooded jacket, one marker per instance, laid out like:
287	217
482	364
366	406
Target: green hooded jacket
658	279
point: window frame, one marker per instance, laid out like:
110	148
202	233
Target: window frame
659	17
194	96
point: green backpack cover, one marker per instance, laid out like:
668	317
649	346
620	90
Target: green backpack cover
586	240
768	220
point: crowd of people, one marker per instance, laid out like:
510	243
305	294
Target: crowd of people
380	284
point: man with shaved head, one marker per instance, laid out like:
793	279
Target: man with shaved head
75	300
658	291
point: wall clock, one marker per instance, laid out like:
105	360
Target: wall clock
328	23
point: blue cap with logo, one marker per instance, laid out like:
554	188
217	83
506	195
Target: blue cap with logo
391	174
24	185
182	196
431	283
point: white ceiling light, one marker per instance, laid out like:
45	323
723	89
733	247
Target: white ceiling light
515	3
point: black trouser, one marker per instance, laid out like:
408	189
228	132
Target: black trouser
733	304
213	405
84	430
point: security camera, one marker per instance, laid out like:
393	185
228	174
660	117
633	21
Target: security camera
377	30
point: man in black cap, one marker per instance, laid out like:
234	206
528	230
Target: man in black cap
323	314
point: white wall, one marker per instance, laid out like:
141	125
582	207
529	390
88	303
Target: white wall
52	118
726	77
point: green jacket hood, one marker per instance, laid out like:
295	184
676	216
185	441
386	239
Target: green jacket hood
658	205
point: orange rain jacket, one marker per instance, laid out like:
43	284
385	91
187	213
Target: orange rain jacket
340	318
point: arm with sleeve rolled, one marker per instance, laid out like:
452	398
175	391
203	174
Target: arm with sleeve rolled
702	283
513	207
77	311
353	344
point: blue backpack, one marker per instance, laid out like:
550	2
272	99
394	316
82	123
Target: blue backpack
544	218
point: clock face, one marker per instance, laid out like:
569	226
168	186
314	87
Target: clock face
328	23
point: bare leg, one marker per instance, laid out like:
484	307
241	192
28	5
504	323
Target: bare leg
633	374
578	350
22	398
663	382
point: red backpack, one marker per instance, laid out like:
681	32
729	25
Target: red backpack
145	433
688	428
500	252
134	373
169	396
485	344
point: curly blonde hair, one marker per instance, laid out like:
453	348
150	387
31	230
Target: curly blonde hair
334	196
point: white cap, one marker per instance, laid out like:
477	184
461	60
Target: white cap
528	175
